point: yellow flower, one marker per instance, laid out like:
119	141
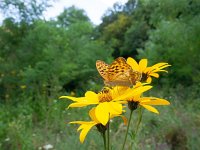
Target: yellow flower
106	106
147	72
85	126
146	102
133	97
109	101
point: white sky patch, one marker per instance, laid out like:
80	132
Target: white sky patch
93	8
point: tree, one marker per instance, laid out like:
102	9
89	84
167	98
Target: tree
72	15
47	57
24	10
125	27
175	39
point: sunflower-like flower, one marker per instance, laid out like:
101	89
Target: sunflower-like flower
135	99
147	72
85	126
109	101
146	102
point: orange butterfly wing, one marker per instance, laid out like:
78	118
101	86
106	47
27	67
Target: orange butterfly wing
118	73
118	70
102	68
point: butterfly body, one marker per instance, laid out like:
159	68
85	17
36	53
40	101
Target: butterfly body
118	73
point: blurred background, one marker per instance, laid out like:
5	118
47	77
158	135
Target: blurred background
44	55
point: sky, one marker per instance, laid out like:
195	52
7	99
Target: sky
94	8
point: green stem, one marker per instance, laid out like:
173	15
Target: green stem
104	139
129	121
137	126
139	121
108	135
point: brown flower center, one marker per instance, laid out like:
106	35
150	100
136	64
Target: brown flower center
101	128
105	95
132	105
144	77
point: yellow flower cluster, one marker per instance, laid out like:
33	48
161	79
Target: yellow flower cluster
126	81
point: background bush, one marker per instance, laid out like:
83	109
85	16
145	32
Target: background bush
41	60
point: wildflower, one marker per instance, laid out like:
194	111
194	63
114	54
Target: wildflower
145	102
106	106
135	99
109	101
85	126
147	72
133	96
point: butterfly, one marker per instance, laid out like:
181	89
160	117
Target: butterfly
118	73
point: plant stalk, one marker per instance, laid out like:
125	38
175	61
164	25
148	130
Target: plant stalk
129	122
104	140
108	135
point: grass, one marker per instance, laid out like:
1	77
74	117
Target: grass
32	125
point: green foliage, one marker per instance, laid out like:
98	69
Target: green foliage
125	27
113	32
24	10
23	127
41	60
160	31
175	40
135	37
72	15
46	57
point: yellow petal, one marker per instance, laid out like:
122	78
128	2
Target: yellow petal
118	90
159	69
164	66
102	113
143	64
150	108
138	84
114	108
92	97
148	69
73	98
134	65
85	131
158	65
133	92
85	127
92	114
83	124
154	101
77	122
78	104
149	80
154	75
143	101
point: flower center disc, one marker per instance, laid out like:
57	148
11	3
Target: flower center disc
105	95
